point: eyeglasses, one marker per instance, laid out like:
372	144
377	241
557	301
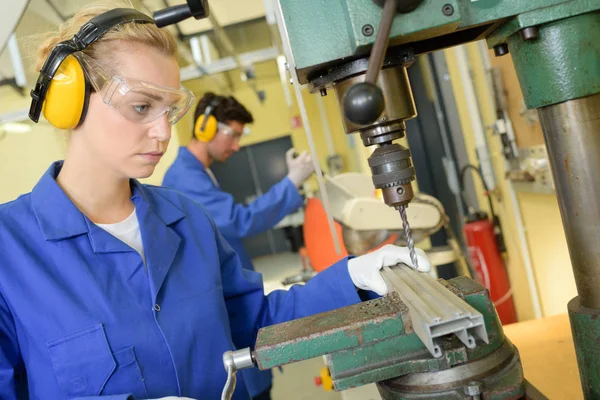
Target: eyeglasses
226	129
136	100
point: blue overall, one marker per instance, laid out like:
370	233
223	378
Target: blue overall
81	316
235	221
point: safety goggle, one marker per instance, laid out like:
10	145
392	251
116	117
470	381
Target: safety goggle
226	129
136	100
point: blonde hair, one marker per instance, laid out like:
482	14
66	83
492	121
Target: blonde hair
130	33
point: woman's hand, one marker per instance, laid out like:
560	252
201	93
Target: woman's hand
364	270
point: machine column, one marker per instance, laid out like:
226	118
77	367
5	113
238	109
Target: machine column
559	72
572	133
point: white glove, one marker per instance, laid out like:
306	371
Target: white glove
299	168
364	270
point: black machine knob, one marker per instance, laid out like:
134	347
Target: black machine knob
363	103
171	15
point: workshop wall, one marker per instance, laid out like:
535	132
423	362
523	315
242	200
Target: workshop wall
549	252
545	238
274	118
503	208
24	156
540	212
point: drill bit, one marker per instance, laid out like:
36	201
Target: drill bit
409	240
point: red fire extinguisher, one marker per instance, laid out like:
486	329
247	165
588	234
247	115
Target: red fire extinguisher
485	245
483	236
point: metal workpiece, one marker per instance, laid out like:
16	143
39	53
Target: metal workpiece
565	53
434	310
397	93
572	134
321	334
585	325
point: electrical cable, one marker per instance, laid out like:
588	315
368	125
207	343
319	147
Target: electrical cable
487	190
498	232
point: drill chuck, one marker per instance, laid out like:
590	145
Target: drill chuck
393	173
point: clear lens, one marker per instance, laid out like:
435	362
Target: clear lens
136	100
144	105
226	129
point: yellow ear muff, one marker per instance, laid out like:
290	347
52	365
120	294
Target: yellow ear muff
210	129
66	101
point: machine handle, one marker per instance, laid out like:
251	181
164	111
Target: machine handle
233	361
381	43
230	384
171	15
364	103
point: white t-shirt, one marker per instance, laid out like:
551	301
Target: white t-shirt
127	231
212	177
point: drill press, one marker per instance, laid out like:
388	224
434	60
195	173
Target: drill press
556	52
557	59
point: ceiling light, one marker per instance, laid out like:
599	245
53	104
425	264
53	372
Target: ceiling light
15	127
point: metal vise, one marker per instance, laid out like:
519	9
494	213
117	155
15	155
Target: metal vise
377	342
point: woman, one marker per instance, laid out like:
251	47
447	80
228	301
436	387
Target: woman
112	288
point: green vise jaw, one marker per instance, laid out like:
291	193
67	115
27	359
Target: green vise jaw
347	328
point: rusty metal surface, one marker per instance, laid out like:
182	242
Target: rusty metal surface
329	332
499	376
463	286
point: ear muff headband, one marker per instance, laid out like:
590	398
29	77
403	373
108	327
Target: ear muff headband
64	99
206	126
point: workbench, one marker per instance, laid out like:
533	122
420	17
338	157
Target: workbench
547	354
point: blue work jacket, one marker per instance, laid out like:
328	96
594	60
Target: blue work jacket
234	220
81	316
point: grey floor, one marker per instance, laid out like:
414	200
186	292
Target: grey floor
297	380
